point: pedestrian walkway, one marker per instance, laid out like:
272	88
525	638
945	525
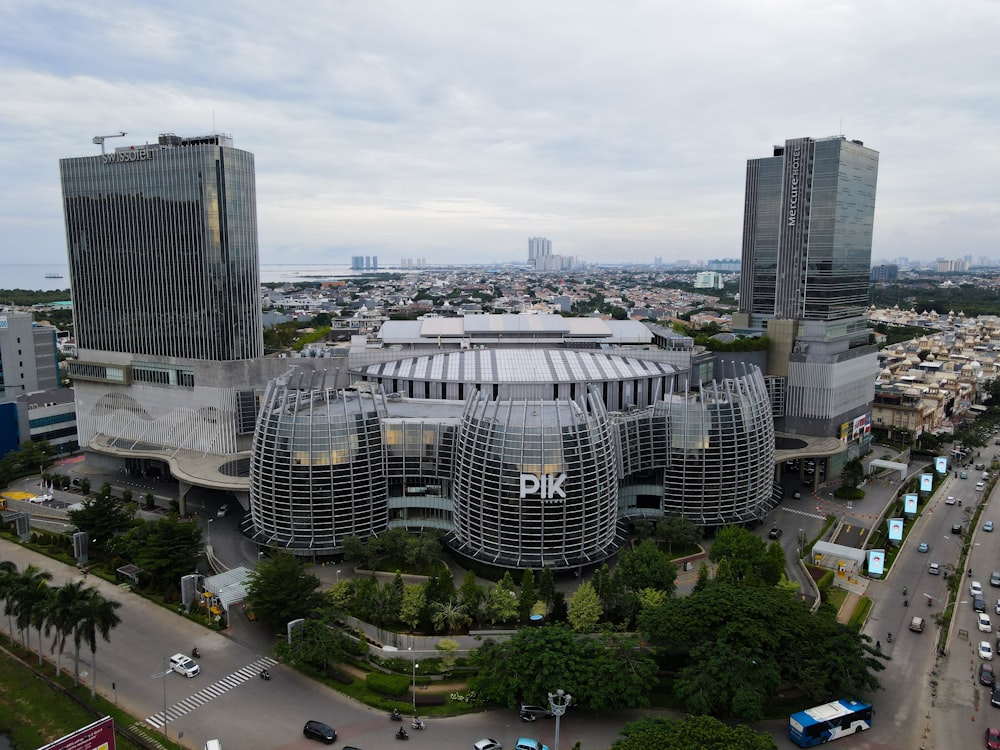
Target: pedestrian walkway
848	606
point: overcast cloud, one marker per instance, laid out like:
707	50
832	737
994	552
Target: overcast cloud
454	130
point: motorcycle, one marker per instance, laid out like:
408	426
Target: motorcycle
889	637
395	715
418	724
906	602
402	735
265	675
195	653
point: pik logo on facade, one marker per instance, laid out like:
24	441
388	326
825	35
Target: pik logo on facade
546	485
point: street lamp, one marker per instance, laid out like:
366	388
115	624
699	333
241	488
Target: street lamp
559	701
338	576
208	541
163	676
414	691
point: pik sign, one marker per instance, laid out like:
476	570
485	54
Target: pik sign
546	485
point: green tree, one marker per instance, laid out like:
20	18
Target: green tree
547	586
745	553
528	595
678	531
317	640
358	551
704	578
96	616
853	473
8	587
165	549
30	594
773	567
647	567
64	614
585	609
735	645
280	589
102	518
691	733
471	594
414	603
602	673
450	616
501	601
449	651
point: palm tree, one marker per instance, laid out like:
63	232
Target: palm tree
98	616
8	579
64	608
450	616
40	611
30	592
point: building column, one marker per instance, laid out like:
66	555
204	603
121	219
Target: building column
182	489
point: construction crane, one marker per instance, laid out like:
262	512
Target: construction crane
99	139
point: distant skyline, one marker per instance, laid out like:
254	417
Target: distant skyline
455	131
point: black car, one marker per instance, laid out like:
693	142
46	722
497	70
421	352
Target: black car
995	697
956	528
986	675
530	713
317	730
774	533
978	604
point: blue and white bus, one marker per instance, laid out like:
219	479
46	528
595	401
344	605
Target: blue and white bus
830	721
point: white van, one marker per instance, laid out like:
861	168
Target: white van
213	745
184	665
980	487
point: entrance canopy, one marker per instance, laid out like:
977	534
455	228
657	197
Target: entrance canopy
878	463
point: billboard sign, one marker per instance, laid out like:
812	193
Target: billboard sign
941	465
876	562
895	529
926	482
910	504
97	736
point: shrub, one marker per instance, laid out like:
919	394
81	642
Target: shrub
387	684
825	583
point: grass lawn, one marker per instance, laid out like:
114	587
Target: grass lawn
836	596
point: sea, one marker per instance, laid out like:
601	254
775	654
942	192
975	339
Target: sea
49	277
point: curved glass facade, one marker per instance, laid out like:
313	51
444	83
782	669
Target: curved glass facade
316	471
514	481
535	483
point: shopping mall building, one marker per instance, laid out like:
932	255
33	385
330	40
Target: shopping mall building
526	440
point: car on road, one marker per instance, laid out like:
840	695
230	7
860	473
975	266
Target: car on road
317	730
184	665
530	713
934	569
986	676
992	738
983	623
978	604
917	624
950	500
524	743
488	743
923	547
956	528
975	589
995	578
964	475
995	697
40	498
988	526
980	486
223	511
985	650
774	533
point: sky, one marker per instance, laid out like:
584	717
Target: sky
453	130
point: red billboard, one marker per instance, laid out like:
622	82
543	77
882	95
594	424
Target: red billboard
97	736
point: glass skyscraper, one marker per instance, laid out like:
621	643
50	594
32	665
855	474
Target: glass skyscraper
162	242
807	244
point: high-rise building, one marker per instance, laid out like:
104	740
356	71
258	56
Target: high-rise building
162	242
28	364
162	245
807	240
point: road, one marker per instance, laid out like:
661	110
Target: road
228	701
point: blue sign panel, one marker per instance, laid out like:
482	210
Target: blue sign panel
941	465
895	529
876	562
926	482
909	503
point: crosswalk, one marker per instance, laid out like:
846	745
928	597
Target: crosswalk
214	690
803	513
